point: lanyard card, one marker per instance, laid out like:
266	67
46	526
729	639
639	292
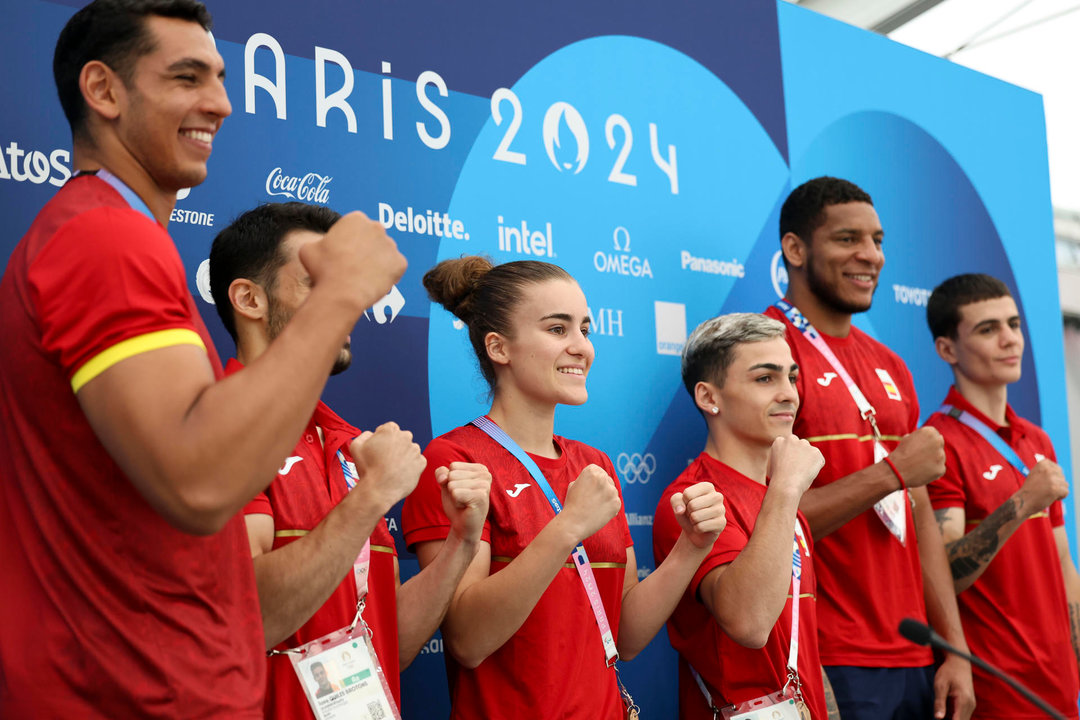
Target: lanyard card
777	706
891	509
342	678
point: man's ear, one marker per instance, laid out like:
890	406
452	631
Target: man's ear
707	398
102	89
248	299
946	349
794	249
495	344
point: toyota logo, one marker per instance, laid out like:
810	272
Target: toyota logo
636	468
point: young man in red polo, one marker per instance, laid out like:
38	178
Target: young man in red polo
999	506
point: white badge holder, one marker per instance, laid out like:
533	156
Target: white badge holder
340	672
342	678
891	509
780	705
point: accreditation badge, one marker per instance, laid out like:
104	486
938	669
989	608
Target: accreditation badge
342	678
892	509
779	705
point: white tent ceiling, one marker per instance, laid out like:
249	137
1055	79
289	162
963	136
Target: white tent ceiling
1030	43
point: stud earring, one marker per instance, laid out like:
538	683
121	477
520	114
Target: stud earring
715	410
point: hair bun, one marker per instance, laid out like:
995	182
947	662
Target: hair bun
452	282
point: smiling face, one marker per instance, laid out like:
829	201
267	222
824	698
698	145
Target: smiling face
291	288
174	104
548	358
758	400
844	259
989	344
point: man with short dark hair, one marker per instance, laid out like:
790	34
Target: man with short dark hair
880	556
999	506
746	626
309	529
123	461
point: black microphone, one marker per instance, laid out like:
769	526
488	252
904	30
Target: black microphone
921	634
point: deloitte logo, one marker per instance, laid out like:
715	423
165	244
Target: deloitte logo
779	274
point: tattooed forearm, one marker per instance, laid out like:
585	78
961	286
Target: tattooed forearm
972	553
1074	628
830	696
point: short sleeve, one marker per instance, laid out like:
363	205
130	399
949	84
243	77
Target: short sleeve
260	505
666	531
107	286
1057	514
948	490
422	516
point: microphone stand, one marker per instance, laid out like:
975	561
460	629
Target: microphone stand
921	634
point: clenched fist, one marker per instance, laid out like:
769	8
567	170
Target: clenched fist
591	501
466	489
1044	484
356	260
793	464
699	510
388	462
920	457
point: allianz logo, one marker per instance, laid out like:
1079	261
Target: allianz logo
305	188
34	165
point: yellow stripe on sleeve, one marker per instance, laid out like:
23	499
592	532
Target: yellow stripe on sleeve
130	348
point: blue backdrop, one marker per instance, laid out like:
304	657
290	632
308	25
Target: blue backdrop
644	146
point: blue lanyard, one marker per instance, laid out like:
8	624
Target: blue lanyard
348	470
795	317
134	201
581	559
499	435
989	435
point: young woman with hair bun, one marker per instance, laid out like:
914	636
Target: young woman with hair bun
521	633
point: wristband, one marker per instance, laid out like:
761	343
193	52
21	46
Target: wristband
903	485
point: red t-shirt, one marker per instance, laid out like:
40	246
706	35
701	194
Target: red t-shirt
1015	615
307	488
553	666
735	673
867	581
109	611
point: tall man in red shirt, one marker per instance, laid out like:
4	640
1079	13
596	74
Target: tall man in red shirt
307	528
123	461
880	556
740	373
999	506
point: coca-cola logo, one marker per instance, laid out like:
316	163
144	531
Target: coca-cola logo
305	188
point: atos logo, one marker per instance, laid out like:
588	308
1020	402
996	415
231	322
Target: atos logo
386	310
34	165
309	188
636	468
576	125
779	274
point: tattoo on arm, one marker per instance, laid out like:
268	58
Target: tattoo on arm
941	515
972	552
1074	628
830	696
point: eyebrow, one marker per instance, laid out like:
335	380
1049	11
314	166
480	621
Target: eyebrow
995	321
192	64
773	367
565	317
